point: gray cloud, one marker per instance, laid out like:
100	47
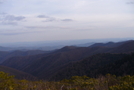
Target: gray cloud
130	2
39	27
49	20
83	29
34	27
3	13
46	27
14	18
10	33
1	1
43	16
17	33
6	19
8	23
67	20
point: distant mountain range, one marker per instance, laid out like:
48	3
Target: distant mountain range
4	48
52	45
71	60
109	44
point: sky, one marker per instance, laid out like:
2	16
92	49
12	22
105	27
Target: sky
49	20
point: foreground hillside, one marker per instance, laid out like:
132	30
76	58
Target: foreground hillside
108	82
18	74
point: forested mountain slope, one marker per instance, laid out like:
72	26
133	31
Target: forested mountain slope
8	54
18	74
101	64
87	66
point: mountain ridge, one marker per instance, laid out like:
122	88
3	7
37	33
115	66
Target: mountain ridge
44	66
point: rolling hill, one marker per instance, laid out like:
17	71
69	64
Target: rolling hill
18	74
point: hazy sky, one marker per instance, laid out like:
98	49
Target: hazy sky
43	20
